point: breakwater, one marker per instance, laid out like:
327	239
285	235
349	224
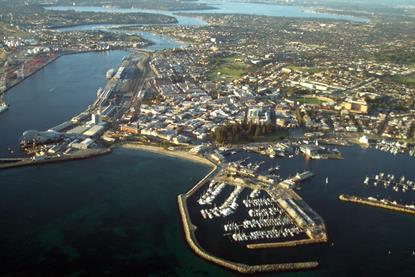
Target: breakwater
378	203
85	154
189	230
292	243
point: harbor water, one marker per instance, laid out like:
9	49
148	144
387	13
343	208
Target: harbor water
117	214
363	241
53	95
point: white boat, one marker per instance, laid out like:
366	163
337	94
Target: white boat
327	180
3	105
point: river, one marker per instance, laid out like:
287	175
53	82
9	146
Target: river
117	214
221	7
54	94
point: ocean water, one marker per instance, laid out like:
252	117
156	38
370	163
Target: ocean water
363	241
114	214
117	214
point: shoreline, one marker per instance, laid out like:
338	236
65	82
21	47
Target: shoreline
32	73
189	229
52	61
150	43
170	153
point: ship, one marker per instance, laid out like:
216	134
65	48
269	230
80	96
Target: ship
3	105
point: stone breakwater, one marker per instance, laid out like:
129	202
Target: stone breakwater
285	243
377	203
189	230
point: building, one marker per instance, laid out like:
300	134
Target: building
261	115
356	106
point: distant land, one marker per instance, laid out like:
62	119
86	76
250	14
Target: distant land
144	4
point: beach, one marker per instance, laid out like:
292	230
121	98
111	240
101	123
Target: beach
175	153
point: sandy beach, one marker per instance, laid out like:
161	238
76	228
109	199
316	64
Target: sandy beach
163	151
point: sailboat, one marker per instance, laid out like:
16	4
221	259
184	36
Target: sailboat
327	180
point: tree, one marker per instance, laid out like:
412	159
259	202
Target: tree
258	131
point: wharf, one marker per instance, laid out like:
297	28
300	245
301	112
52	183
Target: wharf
377	203
85	154
301	213
189	230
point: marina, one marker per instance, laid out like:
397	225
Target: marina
258	212
389	181
214	190
395	147
239	216
322	200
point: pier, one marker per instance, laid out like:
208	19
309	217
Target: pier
385	204
189	230
85	154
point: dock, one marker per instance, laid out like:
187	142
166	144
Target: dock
384	204
85	154
189	230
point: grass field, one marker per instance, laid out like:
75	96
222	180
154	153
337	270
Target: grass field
405	80
228	68
305	100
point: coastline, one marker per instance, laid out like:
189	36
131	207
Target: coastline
32	73
62	55
162	151
189	229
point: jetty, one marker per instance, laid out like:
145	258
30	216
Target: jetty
80	155
282	244
189	231
385	204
